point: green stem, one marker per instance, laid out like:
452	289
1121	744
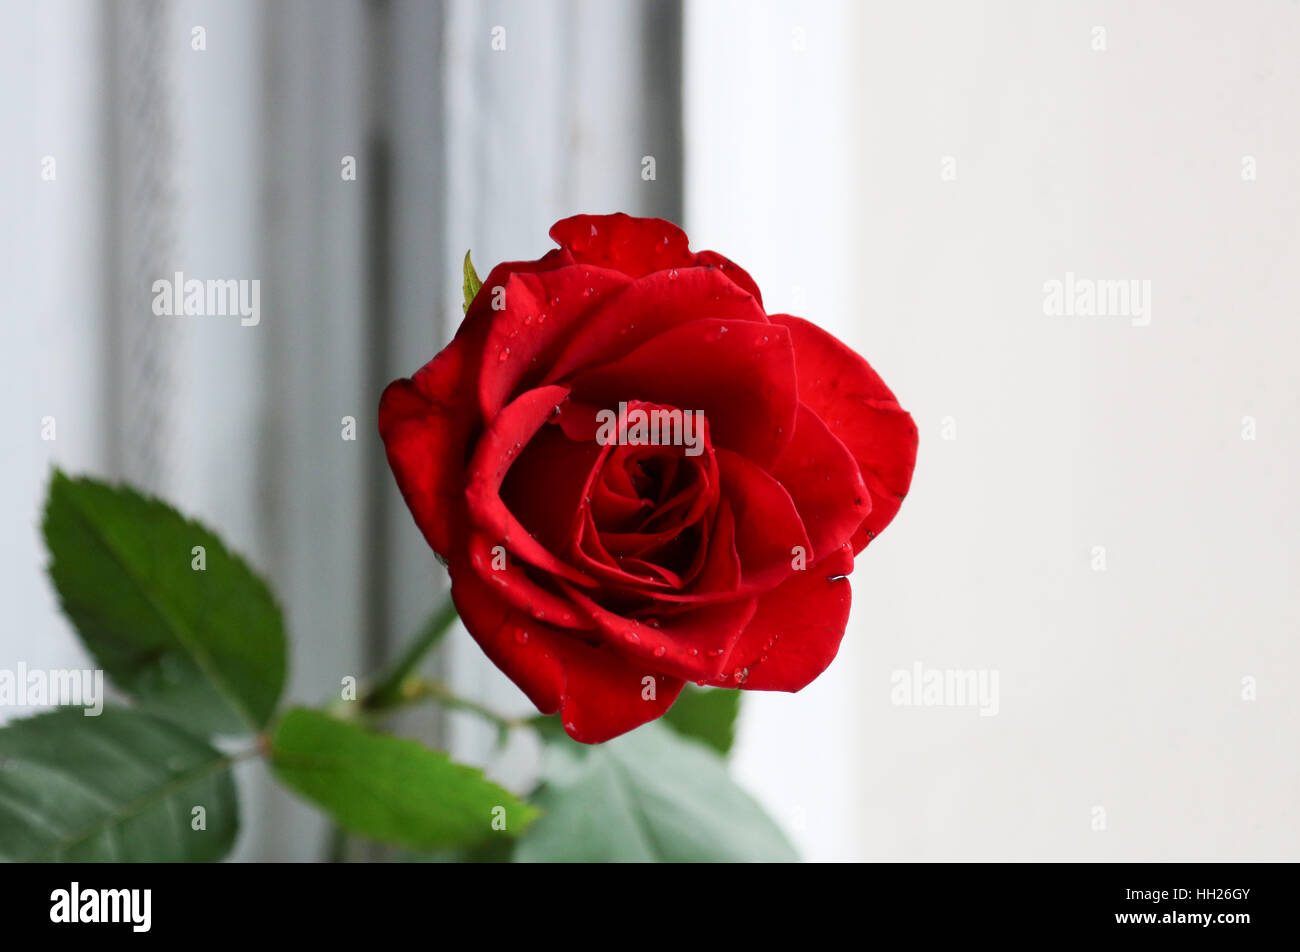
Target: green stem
390	690
418	690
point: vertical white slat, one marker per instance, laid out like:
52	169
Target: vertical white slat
52	332
421	301
312	499
767	174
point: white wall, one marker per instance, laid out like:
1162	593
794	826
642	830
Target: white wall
1119	689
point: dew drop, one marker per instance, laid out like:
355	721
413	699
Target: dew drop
504	354
660	651
521	636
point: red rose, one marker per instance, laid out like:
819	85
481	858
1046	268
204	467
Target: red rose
601	573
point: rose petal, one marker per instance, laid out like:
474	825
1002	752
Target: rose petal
768	527
426	426
542	311
635	246
738	275
824	481
796	631
598	692
511	581
717	579
647	308
693	644
861	411
497	451
591	557
741	375
427	421
544	489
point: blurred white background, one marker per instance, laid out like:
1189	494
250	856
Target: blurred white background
826	170
909	176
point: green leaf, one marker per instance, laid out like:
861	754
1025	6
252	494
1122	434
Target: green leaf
472	283
389	788
119	787
650	795
204	648
706	714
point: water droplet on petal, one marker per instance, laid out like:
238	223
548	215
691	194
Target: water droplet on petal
521	636
660	651
504	354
